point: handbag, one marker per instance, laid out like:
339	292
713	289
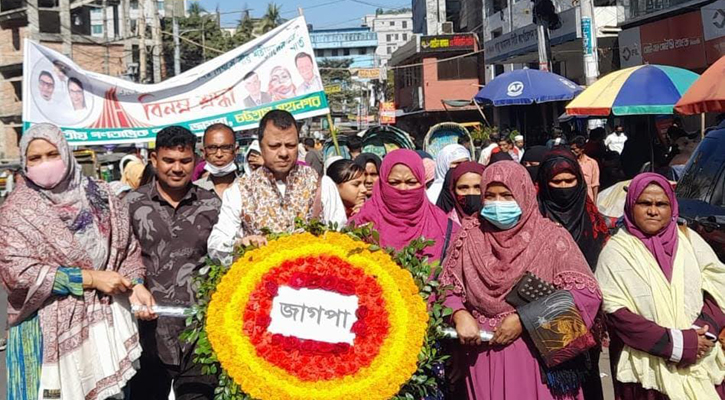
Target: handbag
529	288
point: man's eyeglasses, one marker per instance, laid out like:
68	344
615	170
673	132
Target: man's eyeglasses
226	148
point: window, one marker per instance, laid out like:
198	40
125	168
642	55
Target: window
97	29
388	38
390	50
397	37
318	53
460	68
96	11
392	23
334	52
405	24
134	4
346	52
160	5
363	50
405	37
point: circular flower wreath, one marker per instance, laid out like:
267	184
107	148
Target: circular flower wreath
391	325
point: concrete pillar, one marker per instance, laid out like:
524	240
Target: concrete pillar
65	27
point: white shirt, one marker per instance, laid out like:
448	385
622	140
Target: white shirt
486	154
615	142
228	229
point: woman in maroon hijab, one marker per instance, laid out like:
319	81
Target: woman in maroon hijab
487	258
399	208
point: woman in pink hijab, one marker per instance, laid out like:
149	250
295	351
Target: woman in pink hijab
486	259
399	208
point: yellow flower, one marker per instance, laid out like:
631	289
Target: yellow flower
395	361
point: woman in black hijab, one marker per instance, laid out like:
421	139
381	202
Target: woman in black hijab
563	199
532	159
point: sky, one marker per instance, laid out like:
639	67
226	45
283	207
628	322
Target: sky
322	14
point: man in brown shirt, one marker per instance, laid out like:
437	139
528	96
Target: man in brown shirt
172	219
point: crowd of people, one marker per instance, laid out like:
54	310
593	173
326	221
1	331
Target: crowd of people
523	249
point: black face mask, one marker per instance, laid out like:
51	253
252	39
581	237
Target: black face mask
533	172
563	196
470	203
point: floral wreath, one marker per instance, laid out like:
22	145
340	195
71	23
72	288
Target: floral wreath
391	325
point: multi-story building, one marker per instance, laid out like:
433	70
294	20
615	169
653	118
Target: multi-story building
429	76
356	44
429	17
64	25
116	13
686	34
510	38
393	29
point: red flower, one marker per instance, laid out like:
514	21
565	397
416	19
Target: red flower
271	287
361	312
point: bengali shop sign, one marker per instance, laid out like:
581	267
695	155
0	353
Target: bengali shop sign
275	71
387	112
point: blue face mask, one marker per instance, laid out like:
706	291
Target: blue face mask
502	214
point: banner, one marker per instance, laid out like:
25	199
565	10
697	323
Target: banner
368	73
275	71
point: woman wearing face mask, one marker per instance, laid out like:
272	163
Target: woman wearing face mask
663	293
449	157
399	209
70	267
342	192
563	199
371	164
487	258
462	195
532	159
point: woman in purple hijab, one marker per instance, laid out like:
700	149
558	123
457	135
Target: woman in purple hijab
663	291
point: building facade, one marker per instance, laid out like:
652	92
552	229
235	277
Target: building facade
116	15
393	30
429	76
429	17
690	36
356	44
63	26
511	39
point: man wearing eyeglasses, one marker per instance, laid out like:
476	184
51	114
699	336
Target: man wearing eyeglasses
220	150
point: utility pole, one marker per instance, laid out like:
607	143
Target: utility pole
177	48
142	41
156	37
544	46
107	50
65	27
589	40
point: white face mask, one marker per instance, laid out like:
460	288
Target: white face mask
220	171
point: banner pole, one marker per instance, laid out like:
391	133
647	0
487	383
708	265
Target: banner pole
333	133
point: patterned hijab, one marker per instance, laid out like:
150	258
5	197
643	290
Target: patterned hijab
401	216
662	245
78	201
485	262
571	207
69	189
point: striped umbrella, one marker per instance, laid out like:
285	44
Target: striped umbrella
707	94
645	89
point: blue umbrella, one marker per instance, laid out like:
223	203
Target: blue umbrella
527	86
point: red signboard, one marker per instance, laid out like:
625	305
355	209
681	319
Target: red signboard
676	41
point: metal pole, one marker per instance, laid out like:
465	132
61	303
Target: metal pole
107	53
142	42
543	41
156	37
177	47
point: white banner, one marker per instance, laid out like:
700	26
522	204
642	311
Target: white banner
275	71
